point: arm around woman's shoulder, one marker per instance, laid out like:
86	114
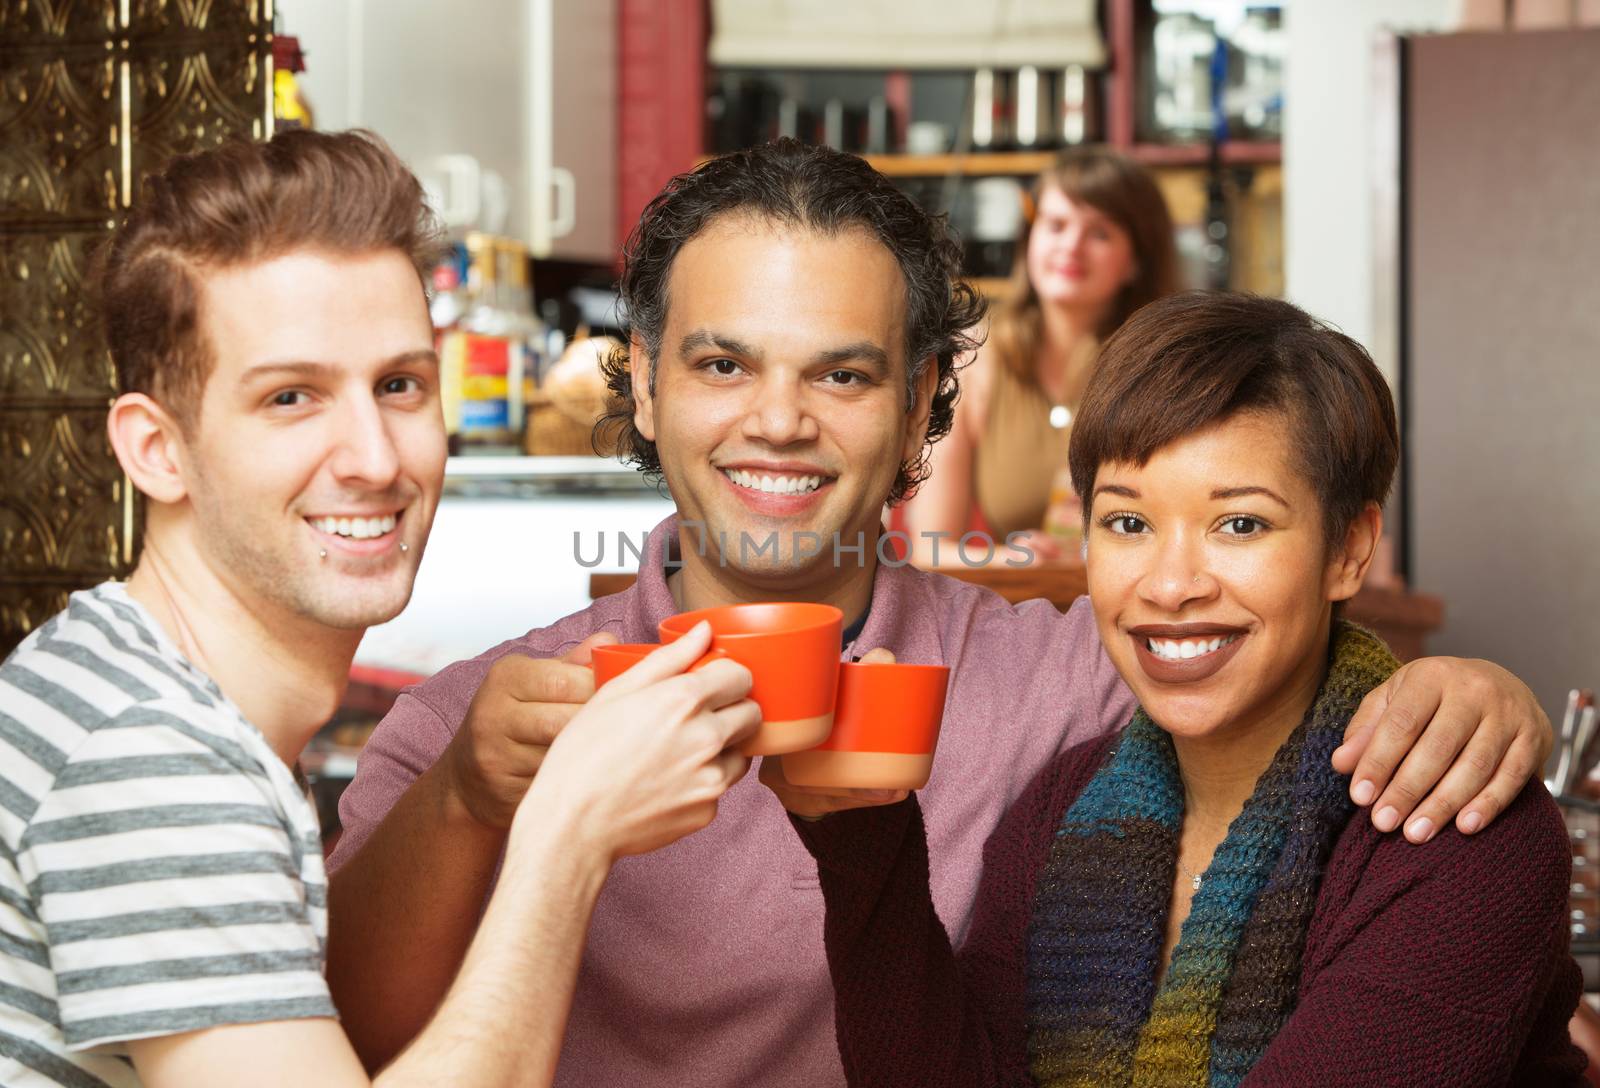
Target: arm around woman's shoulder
909	1009
1439	964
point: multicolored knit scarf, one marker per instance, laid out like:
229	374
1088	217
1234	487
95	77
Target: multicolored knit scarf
1095	1016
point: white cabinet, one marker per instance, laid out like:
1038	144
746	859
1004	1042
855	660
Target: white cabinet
506	108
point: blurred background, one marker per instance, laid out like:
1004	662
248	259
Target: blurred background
1424	174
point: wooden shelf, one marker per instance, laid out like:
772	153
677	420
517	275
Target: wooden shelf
1026	163
974	163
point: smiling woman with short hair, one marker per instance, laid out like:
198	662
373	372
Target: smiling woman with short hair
1195	901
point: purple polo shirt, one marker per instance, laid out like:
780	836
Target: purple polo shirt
705	963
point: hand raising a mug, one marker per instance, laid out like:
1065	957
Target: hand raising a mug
649	756
520	708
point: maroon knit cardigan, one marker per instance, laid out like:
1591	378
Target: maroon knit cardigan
1443	964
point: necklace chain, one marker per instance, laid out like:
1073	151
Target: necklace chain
1194	877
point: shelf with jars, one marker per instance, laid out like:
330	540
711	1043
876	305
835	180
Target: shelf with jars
1178	77
1189	88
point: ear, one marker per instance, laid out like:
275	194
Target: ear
927	385
1347	567
644	400
149	445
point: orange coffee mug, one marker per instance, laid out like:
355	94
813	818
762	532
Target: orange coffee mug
610	662
792	652
885	728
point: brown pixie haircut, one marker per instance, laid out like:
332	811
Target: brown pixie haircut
815	189
1189	361
1124	192
342	192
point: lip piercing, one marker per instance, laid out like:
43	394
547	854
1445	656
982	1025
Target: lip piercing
322	553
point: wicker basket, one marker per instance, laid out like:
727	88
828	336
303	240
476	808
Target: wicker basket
561	430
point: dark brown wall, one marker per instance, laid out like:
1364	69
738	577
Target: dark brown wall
91	97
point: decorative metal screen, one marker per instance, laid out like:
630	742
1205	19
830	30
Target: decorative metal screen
93	94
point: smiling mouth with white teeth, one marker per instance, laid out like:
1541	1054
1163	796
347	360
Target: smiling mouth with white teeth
1183	649
775	484
355	528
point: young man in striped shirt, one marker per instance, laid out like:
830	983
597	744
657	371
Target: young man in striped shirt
163	911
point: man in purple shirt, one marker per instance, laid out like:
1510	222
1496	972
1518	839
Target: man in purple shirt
787	385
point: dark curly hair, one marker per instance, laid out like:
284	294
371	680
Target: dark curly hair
818	189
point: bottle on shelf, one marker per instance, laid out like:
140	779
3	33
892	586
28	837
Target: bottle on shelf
880	126
991	231
527	330
448	301
1032	128
483	286
489	357
1177	80
991	114
1253	97
289	106
1077	108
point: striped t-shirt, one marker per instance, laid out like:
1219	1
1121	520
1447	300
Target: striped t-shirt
160	868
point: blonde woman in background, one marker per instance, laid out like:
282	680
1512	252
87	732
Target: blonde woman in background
1098	245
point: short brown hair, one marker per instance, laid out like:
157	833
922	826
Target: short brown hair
344	192
815	189
1126	193
1196	359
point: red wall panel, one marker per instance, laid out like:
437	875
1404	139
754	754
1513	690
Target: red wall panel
662	91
